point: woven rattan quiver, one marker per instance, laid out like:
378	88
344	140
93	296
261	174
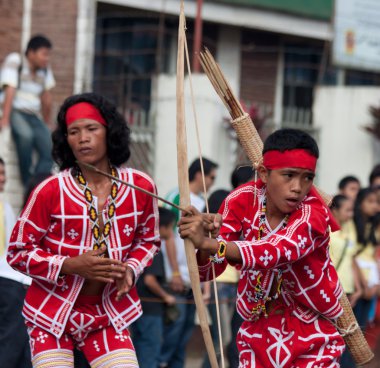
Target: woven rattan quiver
353	335
252	144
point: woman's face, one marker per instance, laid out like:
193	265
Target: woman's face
345	212
370	205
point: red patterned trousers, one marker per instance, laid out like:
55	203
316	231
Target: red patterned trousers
88	329
282	340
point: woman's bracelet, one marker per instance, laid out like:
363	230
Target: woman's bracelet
220	255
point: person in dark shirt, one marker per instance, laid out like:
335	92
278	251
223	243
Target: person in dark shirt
147	331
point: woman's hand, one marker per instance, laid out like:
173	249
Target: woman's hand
125	283
92	266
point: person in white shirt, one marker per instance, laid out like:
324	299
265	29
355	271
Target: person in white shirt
14	341
26	104
177	333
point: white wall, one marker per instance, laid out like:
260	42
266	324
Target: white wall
345	148
214	140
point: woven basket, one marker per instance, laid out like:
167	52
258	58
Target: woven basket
249	138
353	335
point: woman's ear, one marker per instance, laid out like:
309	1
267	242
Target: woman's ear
263	173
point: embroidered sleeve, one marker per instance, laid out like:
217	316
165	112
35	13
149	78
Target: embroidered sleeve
146	242
304	233
25	253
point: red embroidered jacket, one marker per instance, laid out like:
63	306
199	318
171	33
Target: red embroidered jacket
297	252
55	224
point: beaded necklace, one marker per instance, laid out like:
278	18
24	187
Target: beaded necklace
259	291
99	239
262	218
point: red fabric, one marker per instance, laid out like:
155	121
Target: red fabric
299	252
55	224
300	158
282	340
84	110
332	222
89	330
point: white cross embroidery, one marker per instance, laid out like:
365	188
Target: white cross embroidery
324	296
244	364
266	258
250	297
253	275
302	241
52	226
288	253
42	337
121	337
332	347
127	230
72	234
309	272
31	238
96	345
145	230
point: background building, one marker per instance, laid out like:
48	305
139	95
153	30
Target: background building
276	56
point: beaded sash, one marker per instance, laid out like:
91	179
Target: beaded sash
99	239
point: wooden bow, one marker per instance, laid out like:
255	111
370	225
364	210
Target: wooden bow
184	190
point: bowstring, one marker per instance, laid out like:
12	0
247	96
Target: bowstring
205	198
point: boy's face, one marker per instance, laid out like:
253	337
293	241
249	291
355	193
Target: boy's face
166	232
286	187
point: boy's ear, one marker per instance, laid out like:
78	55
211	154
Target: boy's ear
263	173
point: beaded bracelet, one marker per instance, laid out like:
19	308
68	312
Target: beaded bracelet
220	255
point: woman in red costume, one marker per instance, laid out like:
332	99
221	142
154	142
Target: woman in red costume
85	239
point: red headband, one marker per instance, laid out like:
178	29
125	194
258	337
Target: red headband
299	158
84	110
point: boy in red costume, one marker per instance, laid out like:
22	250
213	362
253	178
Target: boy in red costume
85	239
288	293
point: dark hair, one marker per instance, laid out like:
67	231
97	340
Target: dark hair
375	173
167	217
241	175
195	167
2	162
288	139
118	132
346	180
337	201
38	42
216	199
361	221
